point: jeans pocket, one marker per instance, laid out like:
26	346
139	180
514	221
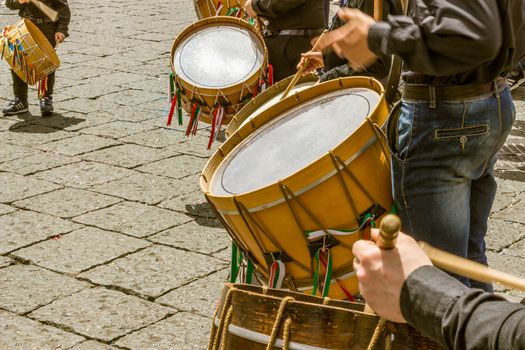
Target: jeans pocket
466	131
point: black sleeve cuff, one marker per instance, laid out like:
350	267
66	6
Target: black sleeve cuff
378	38
426	296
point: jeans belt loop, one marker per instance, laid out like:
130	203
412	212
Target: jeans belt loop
432	96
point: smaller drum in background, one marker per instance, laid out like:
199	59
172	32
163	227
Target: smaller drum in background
211	8
25	48
218	62
247	317
268	98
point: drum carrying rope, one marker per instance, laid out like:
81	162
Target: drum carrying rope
277	323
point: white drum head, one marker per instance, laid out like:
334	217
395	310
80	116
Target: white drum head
293	140
218	56
277	98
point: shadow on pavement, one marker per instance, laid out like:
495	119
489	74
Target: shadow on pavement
43	125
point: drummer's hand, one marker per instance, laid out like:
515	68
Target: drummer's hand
249	9
351	40
382	273
23	1
315	61
59	37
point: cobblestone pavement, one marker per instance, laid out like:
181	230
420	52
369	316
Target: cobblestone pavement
105	239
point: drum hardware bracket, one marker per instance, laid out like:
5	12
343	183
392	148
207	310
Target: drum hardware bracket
324	242
375	211
271	257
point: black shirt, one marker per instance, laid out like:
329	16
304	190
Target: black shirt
446	42
458	317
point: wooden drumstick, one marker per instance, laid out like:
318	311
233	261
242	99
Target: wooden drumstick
388	232
378	10
46	10
471	269
301	70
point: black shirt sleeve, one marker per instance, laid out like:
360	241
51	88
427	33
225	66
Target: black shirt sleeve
441	37
13	4
458	317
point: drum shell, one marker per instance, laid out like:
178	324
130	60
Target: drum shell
314	322
206	96
38	52
255	103
317	186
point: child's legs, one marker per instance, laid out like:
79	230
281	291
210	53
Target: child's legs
49	29
19	87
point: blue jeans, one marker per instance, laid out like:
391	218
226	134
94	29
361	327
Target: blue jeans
442	170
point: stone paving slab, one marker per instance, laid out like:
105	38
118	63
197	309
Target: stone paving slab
80	250
192	204
145	188
16	187
4	261
74	121
183	331
102	314
158	138
135	219
33	135
501	234
90	89
5	209
10	152
135	114
509	264
37	162
516	249
117	129
198	297
206	236
514	212
152	271
84	105
84	174
79	144
23	227
39	286
67	202
21	333
93	345
127	155
176	167
130	97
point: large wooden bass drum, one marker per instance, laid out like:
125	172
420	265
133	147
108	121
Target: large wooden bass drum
253	318
297	186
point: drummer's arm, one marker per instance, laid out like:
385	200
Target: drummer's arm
64	16
15	4
274	8
458	317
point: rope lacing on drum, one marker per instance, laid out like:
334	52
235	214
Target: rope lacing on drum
277	324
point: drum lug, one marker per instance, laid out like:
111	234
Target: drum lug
326	242
271	257
375	210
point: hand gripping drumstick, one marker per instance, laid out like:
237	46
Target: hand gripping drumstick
48	11
449	262
301	70
388	232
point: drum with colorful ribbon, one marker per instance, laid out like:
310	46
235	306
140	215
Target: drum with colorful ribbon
304	180
254	318
218	65
211	8
29	53
268	98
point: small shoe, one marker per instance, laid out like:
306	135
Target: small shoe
16	106
515	79
46	105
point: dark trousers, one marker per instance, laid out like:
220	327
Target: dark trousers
20	86
284	53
